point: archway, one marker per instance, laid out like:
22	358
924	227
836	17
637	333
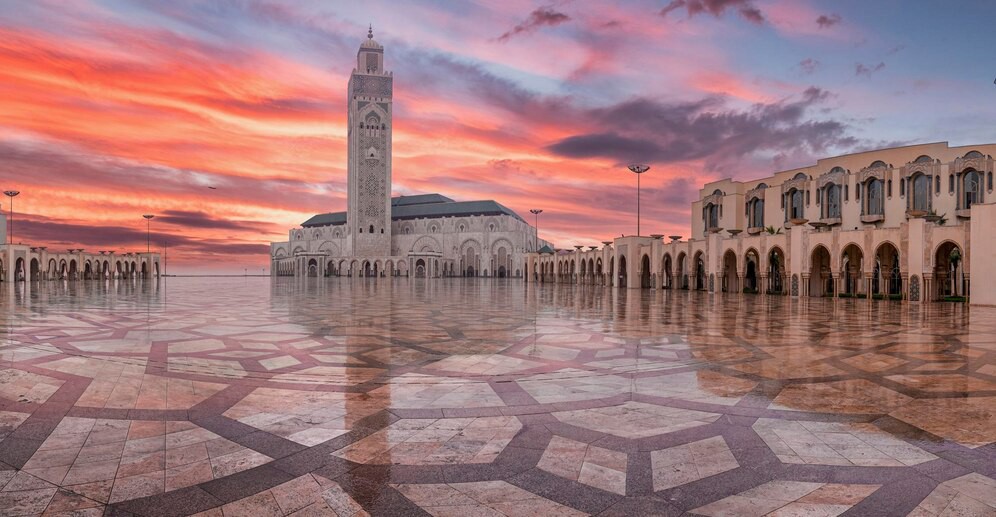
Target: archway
700	275
682	274
19	275
645	282
35	270
622	271
420	268
820	276
730	283
776	271
72	269
949	277
313	267
887	280
667	279
852	270
751	262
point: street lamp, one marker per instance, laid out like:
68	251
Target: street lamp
148	226
536	212
11	194
638	170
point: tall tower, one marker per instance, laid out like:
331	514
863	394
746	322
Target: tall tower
368	216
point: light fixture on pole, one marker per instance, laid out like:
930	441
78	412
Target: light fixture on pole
11	194
536	212
638	170
148	234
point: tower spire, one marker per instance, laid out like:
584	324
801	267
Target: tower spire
370	32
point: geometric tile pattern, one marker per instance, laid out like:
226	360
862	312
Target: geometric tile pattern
682	464
636	419
586	464
835	443
482	498
464	397
435	441
783	498
971	494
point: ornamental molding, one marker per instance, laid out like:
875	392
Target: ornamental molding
928	168
872	172
836	178
716	199
981	164
373	85
798	184
756	193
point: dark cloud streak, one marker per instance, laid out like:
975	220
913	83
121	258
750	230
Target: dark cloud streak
716	8
825	21
644	129
543	16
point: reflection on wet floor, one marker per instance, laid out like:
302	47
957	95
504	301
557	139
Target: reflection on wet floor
461	397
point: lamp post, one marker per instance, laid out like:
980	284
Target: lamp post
536	212
638	170
11	194
148	234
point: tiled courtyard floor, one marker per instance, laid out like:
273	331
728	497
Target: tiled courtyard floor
465	398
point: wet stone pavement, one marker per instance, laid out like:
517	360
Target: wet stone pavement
243	396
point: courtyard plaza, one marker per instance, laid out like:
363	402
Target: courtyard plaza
392	396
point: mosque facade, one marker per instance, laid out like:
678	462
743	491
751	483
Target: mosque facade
427	235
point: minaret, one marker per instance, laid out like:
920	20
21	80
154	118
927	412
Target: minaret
368	216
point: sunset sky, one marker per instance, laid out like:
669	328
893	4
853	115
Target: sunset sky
114	109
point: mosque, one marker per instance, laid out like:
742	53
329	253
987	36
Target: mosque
427	235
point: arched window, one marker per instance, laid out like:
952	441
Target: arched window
711	215
972	188
950	183
990	182
371	228
874	202
920	192
831	208
937	184
795	201
756	213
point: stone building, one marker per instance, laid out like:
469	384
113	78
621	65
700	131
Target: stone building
427	235
25	263
912	223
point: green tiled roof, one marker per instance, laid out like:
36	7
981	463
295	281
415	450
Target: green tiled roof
420	207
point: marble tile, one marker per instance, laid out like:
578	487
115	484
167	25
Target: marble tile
334	397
